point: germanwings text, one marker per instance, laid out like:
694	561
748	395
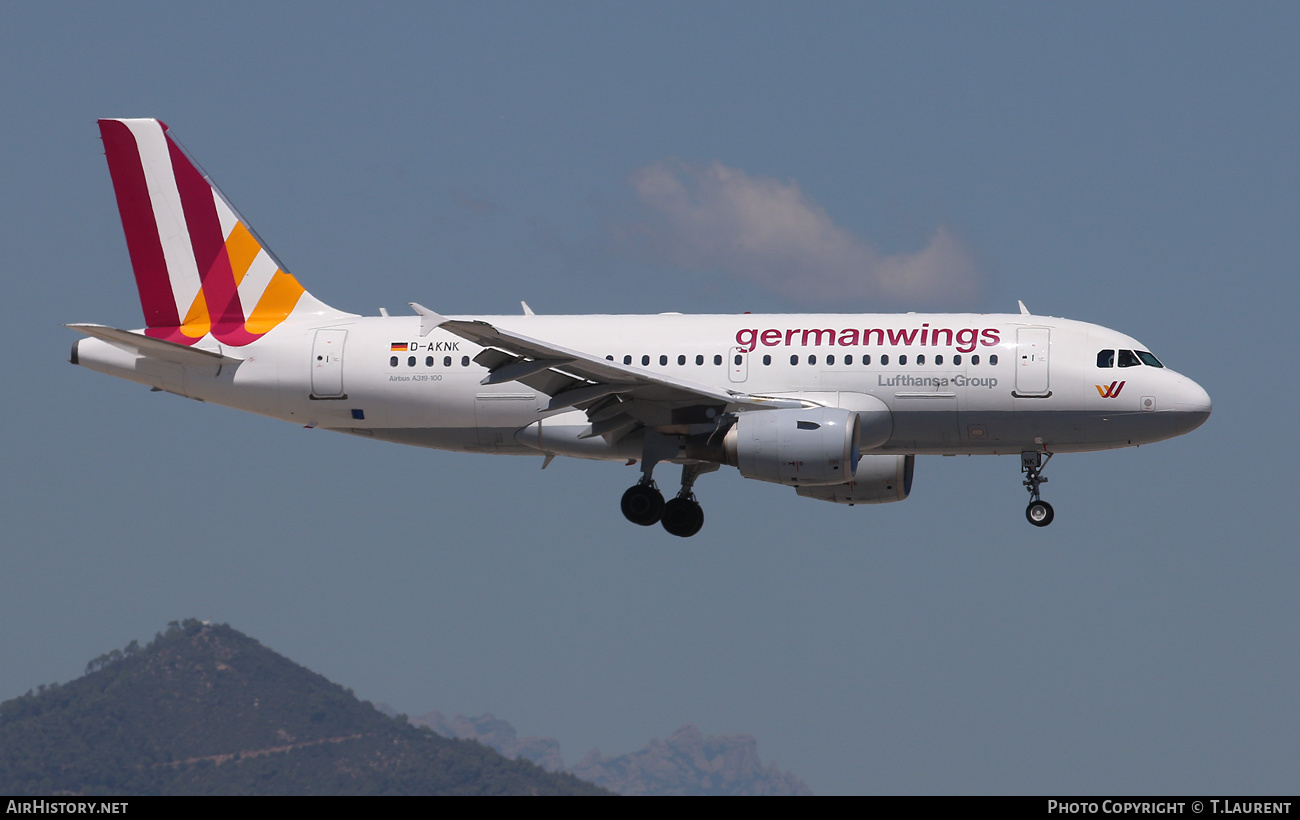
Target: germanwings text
965	340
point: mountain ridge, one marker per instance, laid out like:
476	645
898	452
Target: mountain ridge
205	709
687	762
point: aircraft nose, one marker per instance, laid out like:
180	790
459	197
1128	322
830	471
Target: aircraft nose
1191	398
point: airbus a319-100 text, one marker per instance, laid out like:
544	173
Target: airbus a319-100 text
836	406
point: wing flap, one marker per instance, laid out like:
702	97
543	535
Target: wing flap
520	368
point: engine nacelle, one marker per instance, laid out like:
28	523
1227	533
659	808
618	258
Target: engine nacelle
879	480
800	447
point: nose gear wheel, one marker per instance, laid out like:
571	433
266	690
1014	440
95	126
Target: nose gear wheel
1039	513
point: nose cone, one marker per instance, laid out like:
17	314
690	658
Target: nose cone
1192	401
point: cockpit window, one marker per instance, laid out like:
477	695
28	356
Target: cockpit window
1128	358
1106	358
1148	359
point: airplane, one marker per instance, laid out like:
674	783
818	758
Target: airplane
836	406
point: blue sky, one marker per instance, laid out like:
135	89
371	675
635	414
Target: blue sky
1133	166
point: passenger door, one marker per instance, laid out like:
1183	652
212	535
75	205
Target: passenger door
1033	346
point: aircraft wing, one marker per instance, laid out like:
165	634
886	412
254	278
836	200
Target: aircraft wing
614	394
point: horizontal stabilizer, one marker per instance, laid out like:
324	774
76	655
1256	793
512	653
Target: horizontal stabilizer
149	347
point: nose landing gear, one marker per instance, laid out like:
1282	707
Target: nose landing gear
1032	463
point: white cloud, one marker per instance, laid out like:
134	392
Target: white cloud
767	232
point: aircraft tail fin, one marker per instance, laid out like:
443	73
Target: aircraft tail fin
198	266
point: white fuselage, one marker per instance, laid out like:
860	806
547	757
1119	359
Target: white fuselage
953	383
837	406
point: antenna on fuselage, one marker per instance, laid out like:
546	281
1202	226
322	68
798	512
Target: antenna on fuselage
1024	311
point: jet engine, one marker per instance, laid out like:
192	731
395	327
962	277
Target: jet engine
804	446
879	480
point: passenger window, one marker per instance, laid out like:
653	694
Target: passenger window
410	361
975	359
392	361
767	360
446	361
866	358
920	358
993	359
428	361
663	360
740	359
812	360
902	359
884	358
717	359
1128	358
938	358
645	361
830	359
699	360
611	358
464	361
627	360
848	359
794	360
1105	358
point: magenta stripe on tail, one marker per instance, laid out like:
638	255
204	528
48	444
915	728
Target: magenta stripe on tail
139	225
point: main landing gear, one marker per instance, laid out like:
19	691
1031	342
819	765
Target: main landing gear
643	504
1039	512
683	516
